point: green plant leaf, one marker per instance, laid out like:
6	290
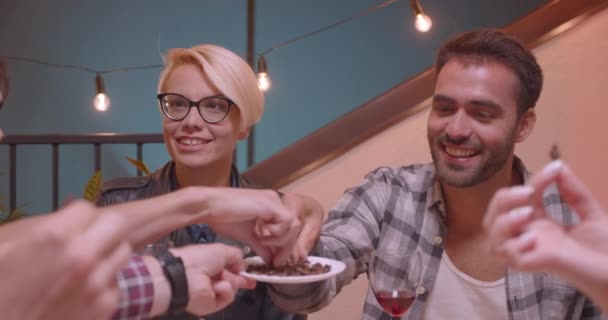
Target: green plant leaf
17	214
93	187
139	165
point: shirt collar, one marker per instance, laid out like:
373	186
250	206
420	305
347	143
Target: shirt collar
235	177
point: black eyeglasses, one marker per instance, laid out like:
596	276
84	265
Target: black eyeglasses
212	109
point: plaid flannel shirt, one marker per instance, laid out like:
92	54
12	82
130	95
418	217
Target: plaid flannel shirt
136	291
402	208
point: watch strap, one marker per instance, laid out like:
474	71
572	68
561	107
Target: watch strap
175	272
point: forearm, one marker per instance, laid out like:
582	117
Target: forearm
153	218
162	289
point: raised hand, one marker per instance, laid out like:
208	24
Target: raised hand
213	276
530	240
311	215
256	217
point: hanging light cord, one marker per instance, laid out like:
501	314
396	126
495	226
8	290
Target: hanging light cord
81	68
330	26
156	66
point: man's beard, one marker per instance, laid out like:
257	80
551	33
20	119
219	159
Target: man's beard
462	176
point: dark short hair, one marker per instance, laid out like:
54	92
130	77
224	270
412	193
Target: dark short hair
4	84
496	46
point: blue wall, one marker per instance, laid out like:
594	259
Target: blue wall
314	81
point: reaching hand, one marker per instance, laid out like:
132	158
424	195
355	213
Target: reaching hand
256	217
311	216
77	254
213	276
530	240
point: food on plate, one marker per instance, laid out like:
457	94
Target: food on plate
291	268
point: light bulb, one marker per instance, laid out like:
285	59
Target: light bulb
423	22
102	102
264	82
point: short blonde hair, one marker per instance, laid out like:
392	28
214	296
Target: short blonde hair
228	72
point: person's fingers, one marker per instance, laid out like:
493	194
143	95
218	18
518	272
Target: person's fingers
263	252
245	283
547	175
509	225
74	217
259	229
224	293
105	271
532	255
283	253
531	261
233	260
278	240
262	204
222	257
283	245
288	235
572	189
515	247
238	281
275	229
299	251
505	200
576	194
95	243
107	233
307	238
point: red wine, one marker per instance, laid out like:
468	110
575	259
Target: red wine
395	302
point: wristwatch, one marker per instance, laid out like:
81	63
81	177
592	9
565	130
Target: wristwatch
173	268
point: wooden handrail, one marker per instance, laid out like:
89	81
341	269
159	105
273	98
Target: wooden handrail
85	138
56	140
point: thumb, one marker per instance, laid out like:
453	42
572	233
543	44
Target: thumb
264	252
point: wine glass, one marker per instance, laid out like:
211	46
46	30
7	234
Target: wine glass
394	276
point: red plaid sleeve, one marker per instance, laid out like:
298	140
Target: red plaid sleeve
136	291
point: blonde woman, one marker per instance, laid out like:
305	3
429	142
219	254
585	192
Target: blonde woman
209	100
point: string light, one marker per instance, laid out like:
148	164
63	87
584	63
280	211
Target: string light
423	23
264	82
101	101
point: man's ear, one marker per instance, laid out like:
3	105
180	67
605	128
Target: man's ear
244	134
525	125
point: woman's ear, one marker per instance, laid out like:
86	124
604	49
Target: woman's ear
525	125
244	134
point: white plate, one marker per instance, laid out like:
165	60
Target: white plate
335	268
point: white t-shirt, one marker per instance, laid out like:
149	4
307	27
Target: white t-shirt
455	295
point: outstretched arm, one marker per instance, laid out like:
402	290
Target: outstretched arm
153	218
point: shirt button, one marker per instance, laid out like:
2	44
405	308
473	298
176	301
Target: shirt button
438	240
420	290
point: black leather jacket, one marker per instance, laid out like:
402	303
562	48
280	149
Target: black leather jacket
248	304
